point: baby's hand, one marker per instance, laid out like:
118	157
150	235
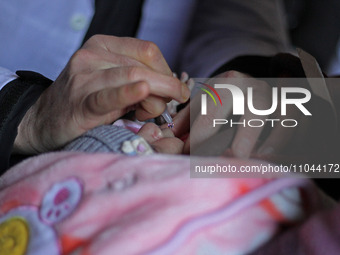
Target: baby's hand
161	139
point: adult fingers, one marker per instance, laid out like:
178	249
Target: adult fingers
247	136
150	107
251	124
202	126
107	100
160	85
281	135
277	140
182	122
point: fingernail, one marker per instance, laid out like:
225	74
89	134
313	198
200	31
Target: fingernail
158	134
267	150
184	77
242	149
191	84
185	92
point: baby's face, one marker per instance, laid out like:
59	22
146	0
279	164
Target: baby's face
161	139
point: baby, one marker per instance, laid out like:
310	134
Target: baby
128	137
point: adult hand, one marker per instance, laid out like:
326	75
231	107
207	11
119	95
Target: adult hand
246	139
102	81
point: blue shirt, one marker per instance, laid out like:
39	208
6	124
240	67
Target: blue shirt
196	36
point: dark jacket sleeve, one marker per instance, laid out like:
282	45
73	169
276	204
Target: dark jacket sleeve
15	99
280	65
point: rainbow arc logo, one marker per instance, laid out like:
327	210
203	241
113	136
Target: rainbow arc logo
209	93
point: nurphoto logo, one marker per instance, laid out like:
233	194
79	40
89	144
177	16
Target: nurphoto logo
238	97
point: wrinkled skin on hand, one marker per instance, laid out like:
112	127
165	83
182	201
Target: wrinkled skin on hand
102	81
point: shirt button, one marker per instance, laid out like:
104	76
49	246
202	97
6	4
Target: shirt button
78	22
